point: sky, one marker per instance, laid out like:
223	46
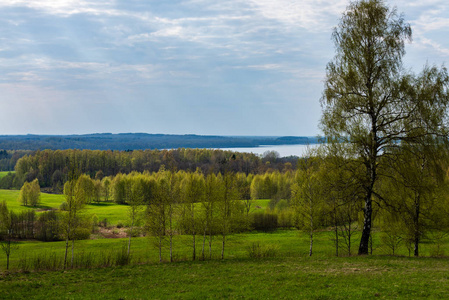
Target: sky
209	67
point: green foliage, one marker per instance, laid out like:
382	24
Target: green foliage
52	167
256	250
30	193
265	221
47	227
371	104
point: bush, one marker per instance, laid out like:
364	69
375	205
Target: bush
122	257
265	221
64	206
47	226
255	250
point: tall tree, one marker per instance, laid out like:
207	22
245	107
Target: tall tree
369	102
7	243
307	197
135	201
30	193
227	206
72	221
193	190
417	192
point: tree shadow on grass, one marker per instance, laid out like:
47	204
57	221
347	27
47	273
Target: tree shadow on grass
100	204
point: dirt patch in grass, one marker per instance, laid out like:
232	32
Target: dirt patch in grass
111	233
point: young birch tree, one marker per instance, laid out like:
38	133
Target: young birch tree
6	231
307	198
369	102
193	187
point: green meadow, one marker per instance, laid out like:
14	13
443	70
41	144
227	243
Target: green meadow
371	277
288	272
114	213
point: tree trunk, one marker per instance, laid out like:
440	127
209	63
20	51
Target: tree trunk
368	211
336	240
194	249
311	242
193	233
311	235
7	254
416	245
223	246
349	237
66	250
73	251
204	243
130	235
417	229
171	240
210	243
160	248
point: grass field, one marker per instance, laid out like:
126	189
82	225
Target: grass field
278	278
3	173
114	213
288	273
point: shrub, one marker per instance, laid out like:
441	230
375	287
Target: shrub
64	206
265	221
256	250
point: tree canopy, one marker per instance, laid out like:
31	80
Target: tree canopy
371	103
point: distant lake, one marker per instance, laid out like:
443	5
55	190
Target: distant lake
283	150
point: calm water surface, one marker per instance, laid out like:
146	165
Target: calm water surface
283	150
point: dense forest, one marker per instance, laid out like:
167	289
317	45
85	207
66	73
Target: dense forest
9	158
141	141
51	167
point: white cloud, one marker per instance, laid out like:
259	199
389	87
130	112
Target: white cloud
313	15
63	7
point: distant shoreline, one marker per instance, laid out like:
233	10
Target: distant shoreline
142	141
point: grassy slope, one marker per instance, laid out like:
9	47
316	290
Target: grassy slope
114	213
291	275
280	278
3	173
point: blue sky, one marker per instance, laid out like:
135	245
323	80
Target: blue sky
226	67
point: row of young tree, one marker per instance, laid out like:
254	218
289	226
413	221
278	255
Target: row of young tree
326	192
51	167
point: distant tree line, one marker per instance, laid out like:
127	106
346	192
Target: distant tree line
9	158
141	141
51	167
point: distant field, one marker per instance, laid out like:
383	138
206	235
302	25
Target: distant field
3	173
47	200
114	213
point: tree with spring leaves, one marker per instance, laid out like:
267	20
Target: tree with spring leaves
73	222
193	192
30	193
370	103
307	197
417	192
7	243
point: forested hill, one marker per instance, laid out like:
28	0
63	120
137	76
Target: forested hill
140	141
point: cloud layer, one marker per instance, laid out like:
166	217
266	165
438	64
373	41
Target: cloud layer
238	67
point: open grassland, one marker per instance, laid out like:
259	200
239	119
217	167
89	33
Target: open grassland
282	243
3	174
276	278
114	213
287	273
